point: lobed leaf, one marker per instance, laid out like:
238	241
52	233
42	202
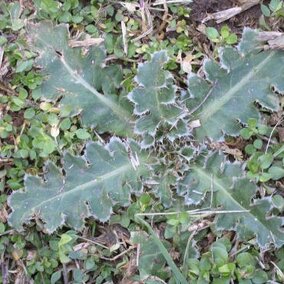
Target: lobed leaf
224	185
151	260
90	186
80	80
228	94
159	114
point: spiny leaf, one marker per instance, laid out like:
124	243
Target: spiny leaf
223	184
228	94
162	187
80	79
151	260
152	250
106	175
156	104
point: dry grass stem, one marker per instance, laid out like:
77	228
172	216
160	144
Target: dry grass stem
225	15
86	42
124	37
161	2
275	40
147	21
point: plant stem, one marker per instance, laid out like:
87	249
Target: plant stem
178	275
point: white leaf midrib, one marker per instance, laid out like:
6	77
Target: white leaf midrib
220	187
218	103
119	111
84	186
109	103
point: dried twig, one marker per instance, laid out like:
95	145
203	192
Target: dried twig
22	7
119	255
124	37
93	242
7	89
275	40
4	270
271	133
147	22
65	274
137	255
160	2
86	42
164	19
7	232
1	55
195	212
225	15
279	271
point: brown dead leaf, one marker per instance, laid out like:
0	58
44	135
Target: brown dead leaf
275	118
206	242
107	238
3	215
279	185
7	89
131	266
113	235
186	63
17	254
200	225
235	152
174	254
81	246
201	28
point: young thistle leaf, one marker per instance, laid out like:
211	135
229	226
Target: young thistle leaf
80	80
224	186
91	185
228	94
159	114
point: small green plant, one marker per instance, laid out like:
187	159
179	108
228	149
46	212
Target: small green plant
95	134
266	159
274	9
218	266
271	13
225	36
151	115
66	12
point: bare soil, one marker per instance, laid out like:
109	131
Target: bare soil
201	8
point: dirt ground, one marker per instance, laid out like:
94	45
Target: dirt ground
201	8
